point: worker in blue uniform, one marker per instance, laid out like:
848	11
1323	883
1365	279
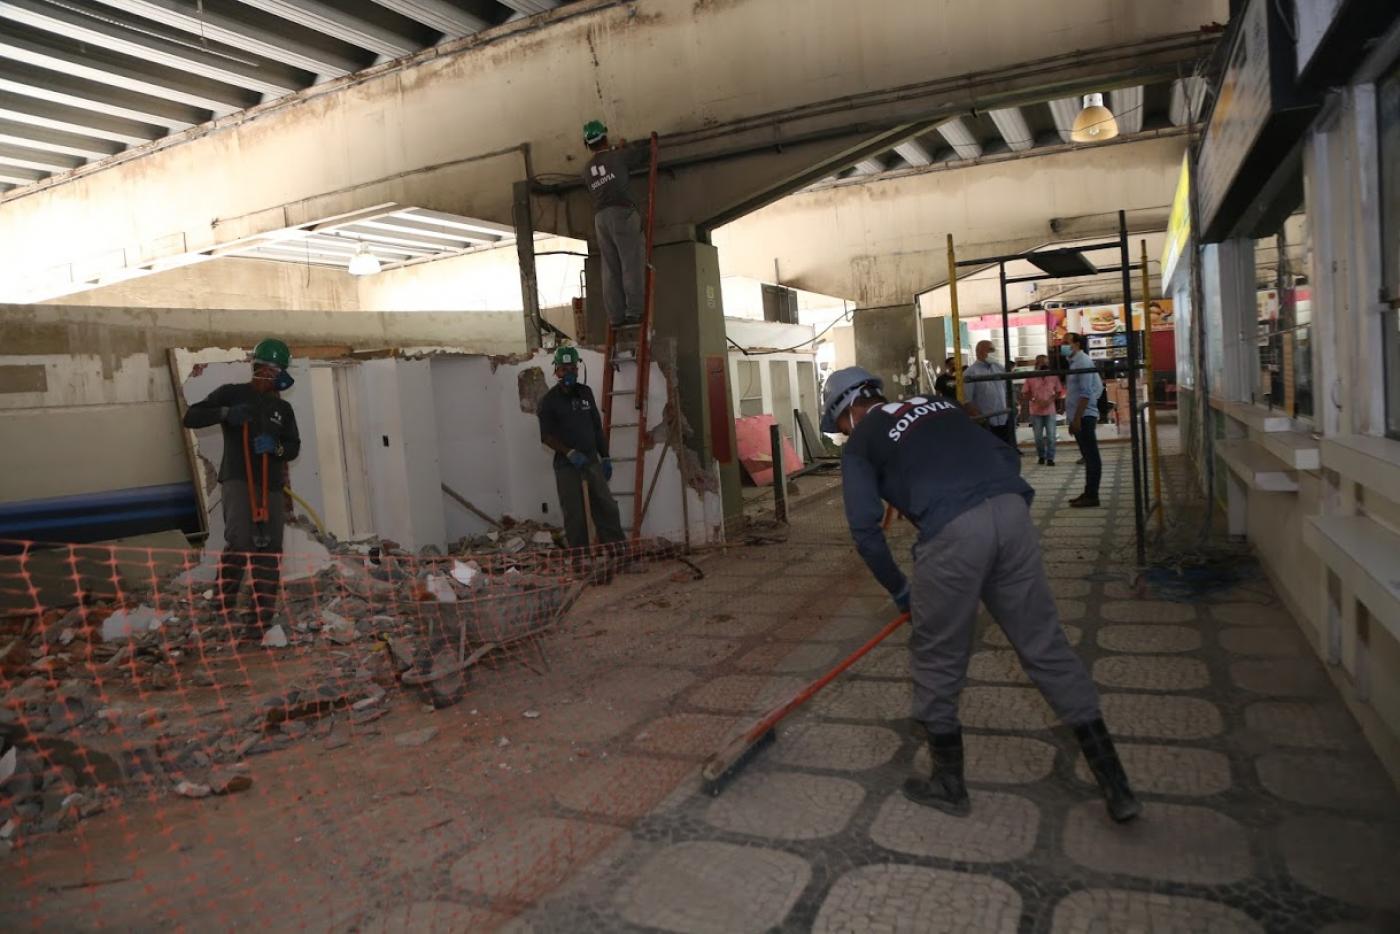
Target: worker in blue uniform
961	486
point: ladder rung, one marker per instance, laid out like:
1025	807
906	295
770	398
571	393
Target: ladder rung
622	493
623	460
624	392
624	424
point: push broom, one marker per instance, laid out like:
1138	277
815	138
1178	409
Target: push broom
738	752
724	764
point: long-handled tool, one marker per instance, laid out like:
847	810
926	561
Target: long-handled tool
724	764
261	538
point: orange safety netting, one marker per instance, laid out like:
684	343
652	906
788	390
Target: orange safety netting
417	742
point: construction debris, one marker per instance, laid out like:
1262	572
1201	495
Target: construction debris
188	789
416	737
124	623
275	638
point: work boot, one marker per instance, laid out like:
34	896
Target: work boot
1108	770
944	789
1084	502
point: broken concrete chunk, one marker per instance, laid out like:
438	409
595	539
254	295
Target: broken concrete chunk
542	538
275	638
532	715
7	764
416	737
337	628
440	588
188	789
125	623
513	545
464	572
229	781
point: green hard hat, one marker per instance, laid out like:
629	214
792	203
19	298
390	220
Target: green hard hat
593	131
271	350
566	356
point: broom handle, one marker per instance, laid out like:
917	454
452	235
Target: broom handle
802	696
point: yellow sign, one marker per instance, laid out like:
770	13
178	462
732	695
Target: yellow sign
1178	224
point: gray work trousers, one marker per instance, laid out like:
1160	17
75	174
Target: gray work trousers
990	553
241	553
623	249
572	483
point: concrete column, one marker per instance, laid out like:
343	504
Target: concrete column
689	310
886	339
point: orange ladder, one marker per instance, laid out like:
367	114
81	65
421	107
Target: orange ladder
619	339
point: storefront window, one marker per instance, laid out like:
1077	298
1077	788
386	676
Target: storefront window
1388	95
1284	303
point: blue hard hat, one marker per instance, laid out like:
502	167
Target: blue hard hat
842	388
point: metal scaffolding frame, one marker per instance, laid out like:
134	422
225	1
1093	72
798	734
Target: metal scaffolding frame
1140	416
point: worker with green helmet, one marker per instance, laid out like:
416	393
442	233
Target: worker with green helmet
621	244
259	434
572	427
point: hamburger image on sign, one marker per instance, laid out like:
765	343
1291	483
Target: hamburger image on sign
1102	320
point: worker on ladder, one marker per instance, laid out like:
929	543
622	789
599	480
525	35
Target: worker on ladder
621	242
260	437
572	427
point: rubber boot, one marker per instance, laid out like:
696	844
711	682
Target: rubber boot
944	789
1108	770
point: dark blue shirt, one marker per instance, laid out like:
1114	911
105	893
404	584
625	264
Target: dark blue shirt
929	460
570	415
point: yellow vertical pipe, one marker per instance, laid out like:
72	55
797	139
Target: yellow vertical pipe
1151	401
957	329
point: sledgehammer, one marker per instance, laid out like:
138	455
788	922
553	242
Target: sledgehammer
726	763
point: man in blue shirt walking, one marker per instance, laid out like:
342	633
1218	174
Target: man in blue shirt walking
1082	391
962	488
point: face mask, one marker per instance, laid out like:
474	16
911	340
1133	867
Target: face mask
570	379
1066	350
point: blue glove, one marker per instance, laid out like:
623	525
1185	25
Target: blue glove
264	444
901	599
578	460
239	414
607	468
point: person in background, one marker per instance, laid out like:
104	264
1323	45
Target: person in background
1082	391
964	492
1041	393
946	385
989	396
621	243
572	427
257	411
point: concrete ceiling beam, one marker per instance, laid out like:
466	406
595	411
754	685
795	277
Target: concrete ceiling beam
956	132
18	174
232	24
76	120
1064	110
86	94
1187	100
91	23
913	152
41	159
347	27
452	21
869	166
78	59
1012	126
1126	105
730	143
881	241
530	7
56	141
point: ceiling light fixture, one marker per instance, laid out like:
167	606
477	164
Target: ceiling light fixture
364	263
1095	122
